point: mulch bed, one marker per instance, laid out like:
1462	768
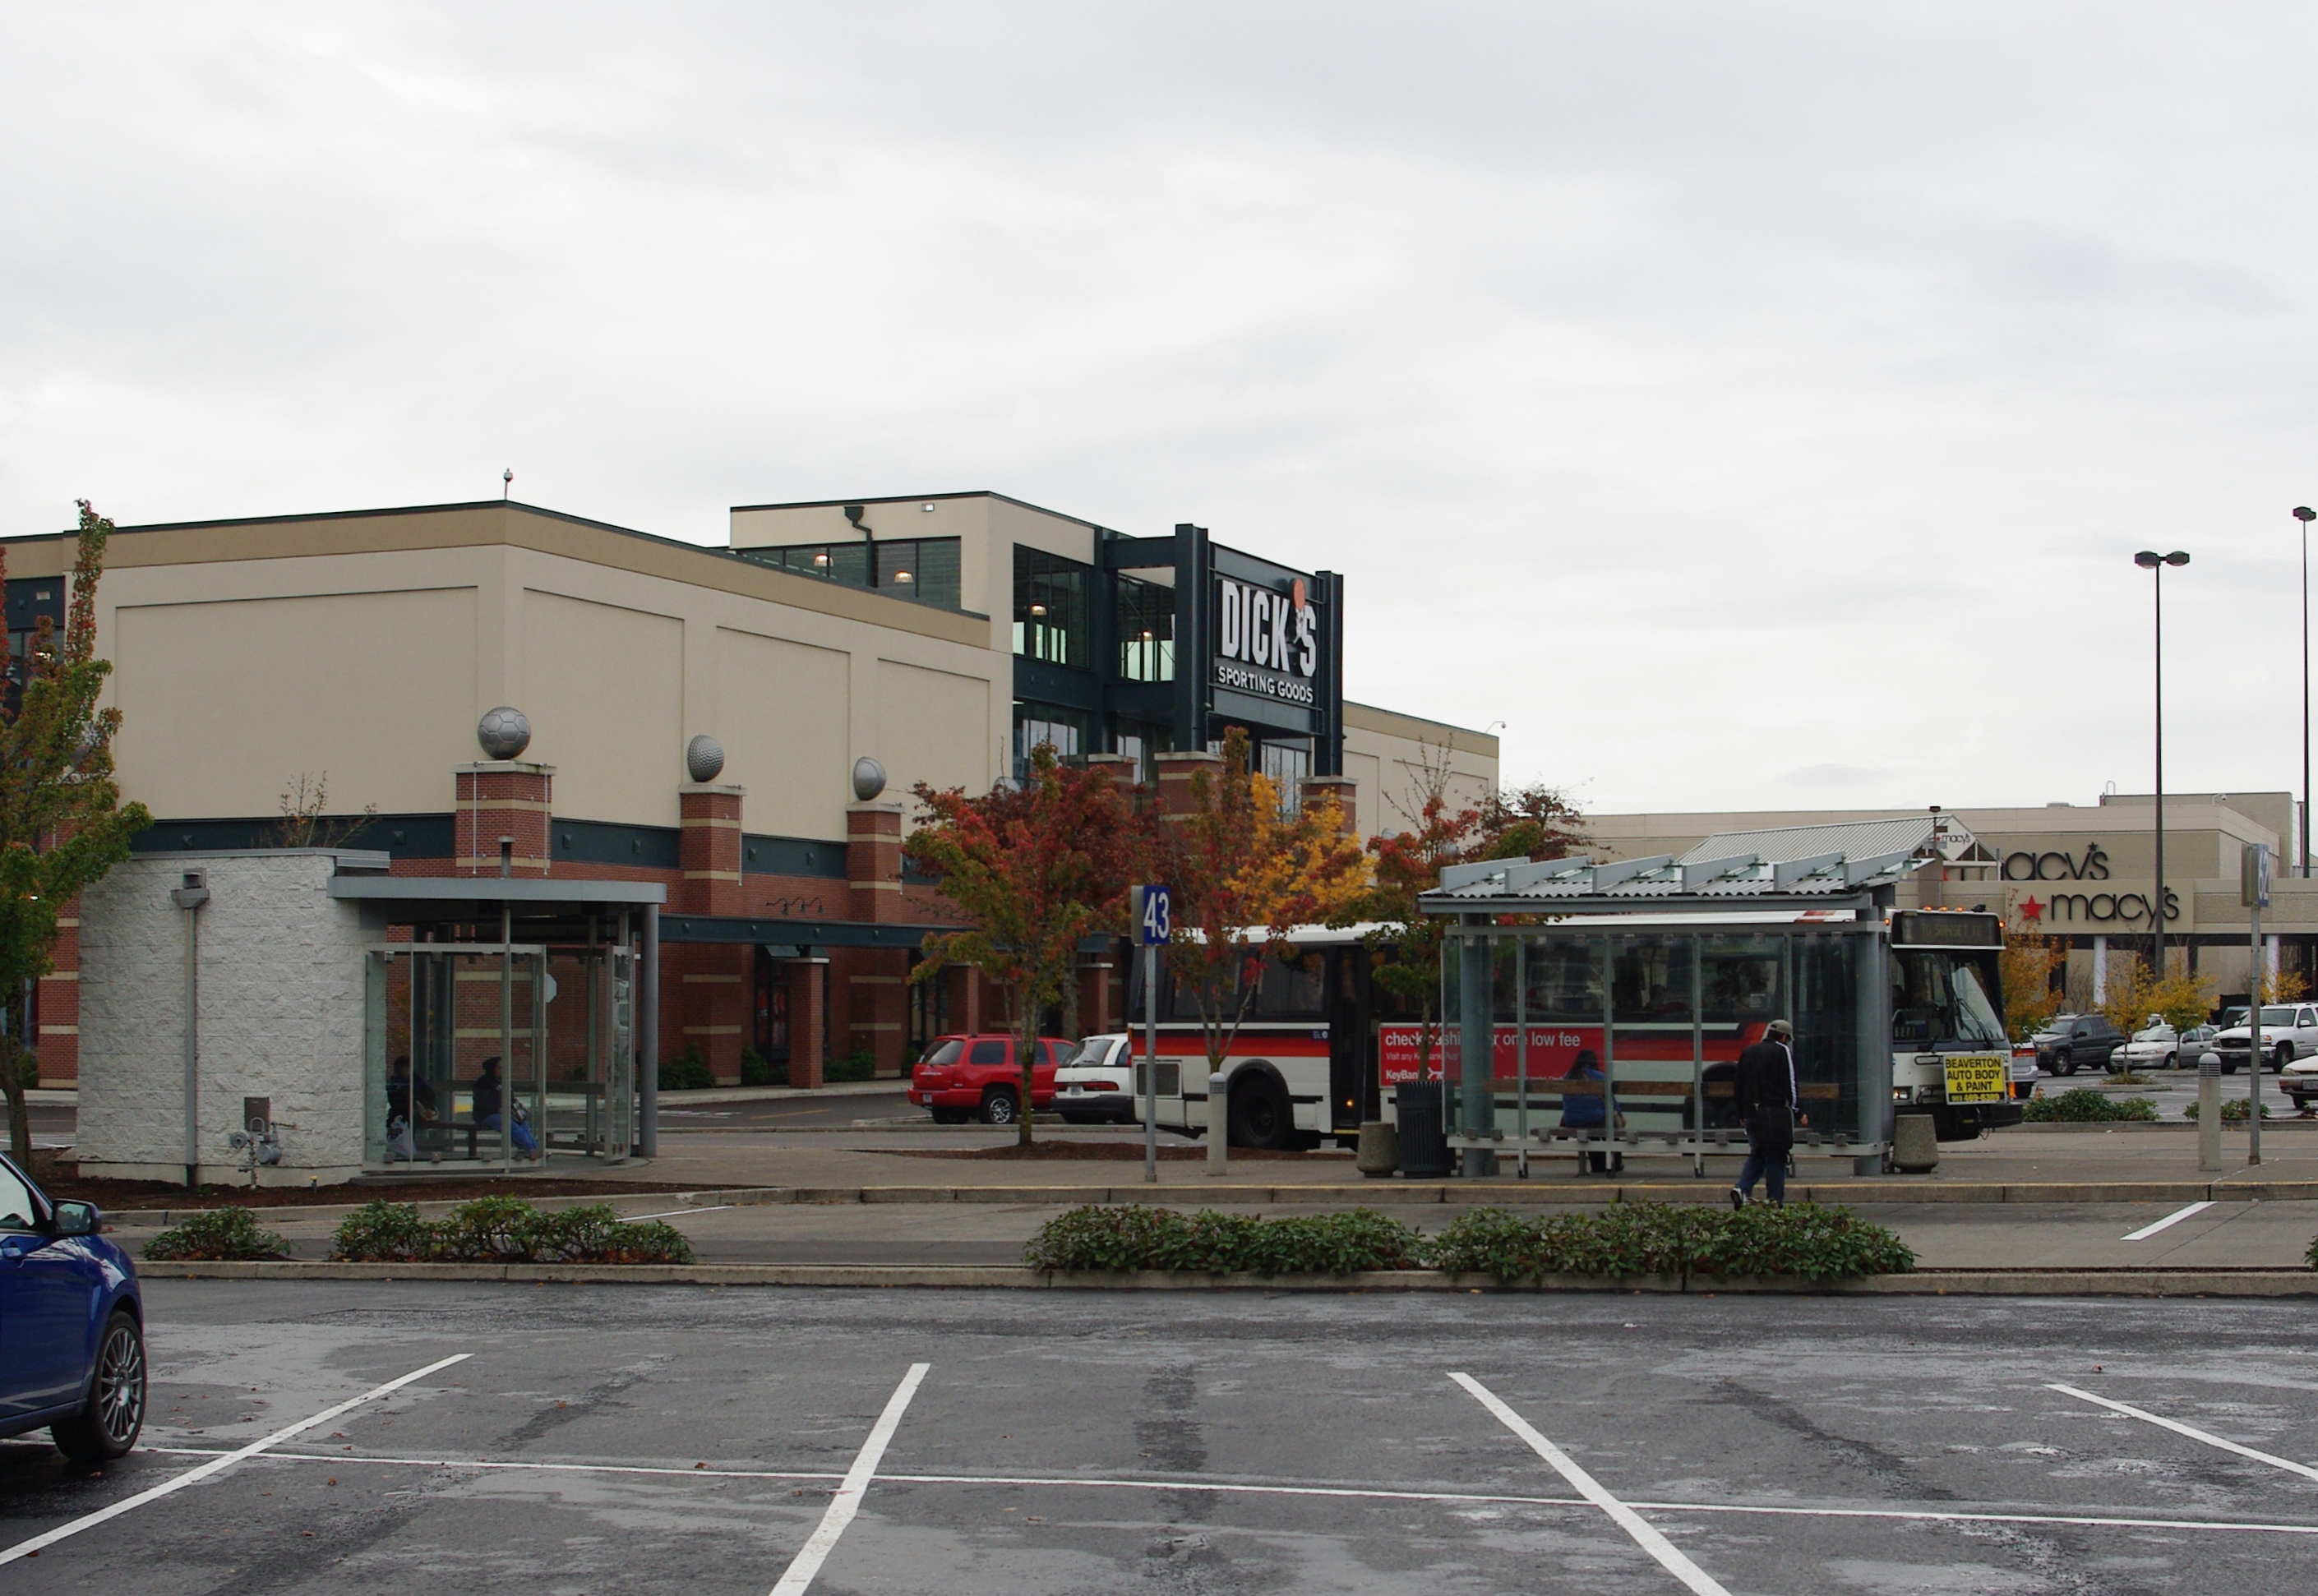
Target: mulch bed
1099	1152
61	1179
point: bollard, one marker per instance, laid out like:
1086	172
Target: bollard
1218	1124
1379	1154
2209	1114
1915	1144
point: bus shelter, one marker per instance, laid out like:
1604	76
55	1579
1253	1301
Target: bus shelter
1597	1007
503	1020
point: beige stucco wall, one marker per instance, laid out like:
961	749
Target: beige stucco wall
1388	753
235	675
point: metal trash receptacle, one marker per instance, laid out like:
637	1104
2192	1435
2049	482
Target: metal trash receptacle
1423	1146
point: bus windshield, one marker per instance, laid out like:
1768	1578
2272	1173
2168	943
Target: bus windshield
1939	996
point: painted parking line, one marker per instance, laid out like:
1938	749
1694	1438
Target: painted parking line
2177	1428
673	1213
847	1500
25	1548
1658	1545
2147	1230
1944	1515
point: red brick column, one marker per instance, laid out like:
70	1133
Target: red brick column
873	861
710	983
1317	788
1175	773
1123	770
503	798
57	1001
808	1022
710	852
877	984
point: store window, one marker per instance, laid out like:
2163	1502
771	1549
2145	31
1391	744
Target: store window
1144	742
923	570
1050	608
1286	763
1145	614
1034	723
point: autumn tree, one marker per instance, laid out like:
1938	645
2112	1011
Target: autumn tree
2026	966
2132	995
1530	822
1035	866
62	823
1245	873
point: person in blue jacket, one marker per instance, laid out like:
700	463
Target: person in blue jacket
1592	1111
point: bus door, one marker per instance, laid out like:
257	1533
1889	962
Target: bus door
1351	1084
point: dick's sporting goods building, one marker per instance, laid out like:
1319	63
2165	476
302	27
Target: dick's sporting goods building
722	741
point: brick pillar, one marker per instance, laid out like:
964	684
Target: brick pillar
1123	770
1098	978
57	1001
1176	772
1318	789
877	1016
503	798
873	861
710	852
711	988
808	1022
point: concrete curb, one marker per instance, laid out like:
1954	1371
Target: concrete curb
2122	1282
1883	1190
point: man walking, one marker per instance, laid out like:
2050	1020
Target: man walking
1766	1107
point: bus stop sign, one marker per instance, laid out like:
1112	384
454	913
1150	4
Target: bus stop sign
1158	915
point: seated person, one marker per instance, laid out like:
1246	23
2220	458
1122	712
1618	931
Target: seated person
404	1095
1592	1111
488	1091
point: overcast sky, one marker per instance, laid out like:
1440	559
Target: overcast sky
1750	405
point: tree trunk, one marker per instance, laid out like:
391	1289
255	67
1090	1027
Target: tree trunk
20	1119
1025	1054
1070	1000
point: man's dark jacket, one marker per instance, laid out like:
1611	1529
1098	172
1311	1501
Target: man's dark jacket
1766	1090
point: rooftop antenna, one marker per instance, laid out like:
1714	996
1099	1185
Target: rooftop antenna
506	483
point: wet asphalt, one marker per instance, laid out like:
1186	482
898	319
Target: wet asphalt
1149	1443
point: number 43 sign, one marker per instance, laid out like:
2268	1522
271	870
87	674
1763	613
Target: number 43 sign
1157	914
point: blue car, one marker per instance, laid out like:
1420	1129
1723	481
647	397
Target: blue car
72	1326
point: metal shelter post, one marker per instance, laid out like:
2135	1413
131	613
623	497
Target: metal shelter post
648	1038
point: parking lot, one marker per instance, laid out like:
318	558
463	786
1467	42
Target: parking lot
643	1438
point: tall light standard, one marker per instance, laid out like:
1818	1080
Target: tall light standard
2305	514
2154	564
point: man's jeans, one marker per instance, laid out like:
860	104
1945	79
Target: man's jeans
1768	1165
518	1133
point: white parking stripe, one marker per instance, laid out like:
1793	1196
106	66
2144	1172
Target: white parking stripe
1239	1488
718	1208
847	1502
25	1548
2147	1230
2177	1428
1627	1519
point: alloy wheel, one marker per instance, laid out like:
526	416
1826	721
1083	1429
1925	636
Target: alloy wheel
120	1383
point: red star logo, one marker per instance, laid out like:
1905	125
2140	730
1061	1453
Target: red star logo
2031	909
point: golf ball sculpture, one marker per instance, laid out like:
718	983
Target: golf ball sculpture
704	758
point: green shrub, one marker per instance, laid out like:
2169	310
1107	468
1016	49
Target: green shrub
860	1064
757	1069
2086	1104
688	1072
2236	1111
220	1235
1667	1239
504	1230
1136	1237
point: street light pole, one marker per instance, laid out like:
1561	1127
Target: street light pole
2155	563
2305	514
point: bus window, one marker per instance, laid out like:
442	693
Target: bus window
1741	979
1650	979
1289	988
1565	980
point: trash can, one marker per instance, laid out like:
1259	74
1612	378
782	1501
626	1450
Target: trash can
1423	1148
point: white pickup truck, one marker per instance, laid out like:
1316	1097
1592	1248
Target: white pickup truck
2289	1031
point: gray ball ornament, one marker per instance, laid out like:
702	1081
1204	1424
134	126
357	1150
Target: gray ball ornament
504	732
704	758
868	778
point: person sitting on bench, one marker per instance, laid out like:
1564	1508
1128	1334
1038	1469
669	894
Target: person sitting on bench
487	1093
1591	1111
408	1104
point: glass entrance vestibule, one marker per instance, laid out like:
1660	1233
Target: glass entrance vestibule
1618	1033
506	1051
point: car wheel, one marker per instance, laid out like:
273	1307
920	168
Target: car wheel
2067	1066
951	1117
107	1427
999	1107
2285	1055
2172	1061
1260	1116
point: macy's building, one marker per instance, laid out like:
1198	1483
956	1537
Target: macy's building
740	728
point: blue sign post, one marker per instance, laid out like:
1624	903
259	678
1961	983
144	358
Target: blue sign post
1154	915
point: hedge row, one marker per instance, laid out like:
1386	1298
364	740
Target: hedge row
2085	1104
504	1230
220	1235
1627	1238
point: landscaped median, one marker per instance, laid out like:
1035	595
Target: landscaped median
496	1230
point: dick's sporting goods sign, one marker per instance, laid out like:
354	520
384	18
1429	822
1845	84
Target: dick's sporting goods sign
1267	642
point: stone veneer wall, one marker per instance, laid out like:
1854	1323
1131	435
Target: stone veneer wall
281	1016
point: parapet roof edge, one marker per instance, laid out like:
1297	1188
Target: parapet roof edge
913	498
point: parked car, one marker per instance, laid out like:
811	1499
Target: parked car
965	1077
2289	1031
2074	1042
2300	1081
2161	1047
1096	1085
72	1326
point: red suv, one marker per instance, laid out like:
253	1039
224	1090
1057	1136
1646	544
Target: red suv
961	1077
